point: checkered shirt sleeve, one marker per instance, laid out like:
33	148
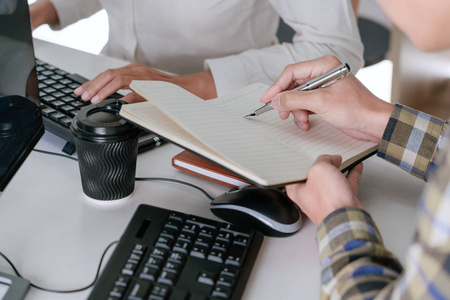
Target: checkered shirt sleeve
355	264
411	140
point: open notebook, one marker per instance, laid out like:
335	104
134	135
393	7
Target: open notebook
265	150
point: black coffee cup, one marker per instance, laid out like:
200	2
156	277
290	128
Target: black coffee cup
107	148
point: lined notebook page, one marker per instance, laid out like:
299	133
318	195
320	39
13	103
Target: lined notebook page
322	138
265	149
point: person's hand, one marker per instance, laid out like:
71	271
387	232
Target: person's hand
347	104
43	12
327	189
110	81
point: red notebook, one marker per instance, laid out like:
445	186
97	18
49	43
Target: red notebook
195	165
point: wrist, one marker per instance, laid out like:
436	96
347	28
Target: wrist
200	84
379	120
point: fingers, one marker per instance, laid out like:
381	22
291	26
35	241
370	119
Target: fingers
299	100
103	86
301	119
133	98
297	74
109	82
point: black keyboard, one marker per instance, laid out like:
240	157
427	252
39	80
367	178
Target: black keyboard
59	104
166	254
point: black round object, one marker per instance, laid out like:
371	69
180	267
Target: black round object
101	123
107	150
17	114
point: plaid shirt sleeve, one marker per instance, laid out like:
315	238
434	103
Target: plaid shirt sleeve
356	265
411	140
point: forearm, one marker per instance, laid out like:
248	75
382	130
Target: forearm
69	12
335	32
200	84
43	12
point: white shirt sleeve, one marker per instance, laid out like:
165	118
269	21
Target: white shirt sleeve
322	27
71	11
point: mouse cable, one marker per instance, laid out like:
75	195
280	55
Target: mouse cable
176	181
56	154
62	291
139	178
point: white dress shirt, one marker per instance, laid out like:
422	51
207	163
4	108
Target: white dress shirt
235	39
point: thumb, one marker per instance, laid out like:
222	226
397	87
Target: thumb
334	160
354	177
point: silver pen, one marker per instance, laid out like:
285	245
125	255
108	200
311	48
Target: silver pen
322	81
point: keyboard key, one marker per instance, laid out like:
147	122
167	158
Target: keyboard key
221	292
65	121
204	241
182	246
148	273
47	99
56	116
58	86
199	251
229	271
169	232
122	281
172	267
226	281
167	278
221	244
177	257
241	240
134	258
67	99
139	249
49	90
160	292
57	103
207	278
140	290
235	256
217	255
56	77
177	216
164	242
154	263
175	224
159	253
202	222
117	291
186	236
47	111
49	81
129	269
66	108
236	230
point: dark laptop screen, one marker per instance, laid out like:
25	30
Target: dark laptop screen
20	117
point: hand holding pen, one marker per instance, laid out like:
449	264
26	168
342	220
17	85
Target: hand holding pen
322	81
347	105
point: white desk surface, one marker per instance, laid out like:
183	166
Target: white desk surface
55	237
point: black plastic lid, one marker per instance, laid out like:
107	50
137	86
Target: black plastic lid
16	114
101	122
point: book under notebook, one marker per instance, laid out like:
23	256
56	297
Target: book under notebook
265	150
